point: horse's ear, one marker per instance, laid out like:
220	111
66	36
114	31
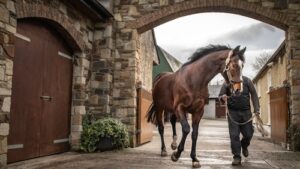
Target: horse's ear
241	52
236	49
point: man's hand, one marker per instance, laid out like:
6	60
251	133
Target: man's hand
224	98
257	113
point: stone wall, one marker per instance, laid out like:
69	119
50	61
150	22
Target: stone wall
7	31
147	52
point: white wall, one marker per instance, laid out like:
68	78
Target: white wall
210	110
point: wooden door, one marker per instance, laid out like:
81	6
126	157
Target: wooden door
279	114
145	129
41	93
220	109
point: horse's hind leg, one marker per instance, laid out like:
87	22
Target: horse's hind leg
173	122
161	132
185	131
195	125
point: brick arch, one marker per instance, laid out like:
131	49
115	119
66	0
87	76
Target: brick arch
53	16
252	10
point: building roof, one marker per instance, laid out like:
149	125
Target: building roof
279	52
172	61
214	91
93	8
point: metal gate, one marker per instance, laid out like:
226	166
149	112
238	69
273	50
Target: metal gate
145	129
279	114
41	93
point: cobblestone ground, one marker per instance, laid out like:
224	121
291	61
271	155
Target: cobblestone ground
213	151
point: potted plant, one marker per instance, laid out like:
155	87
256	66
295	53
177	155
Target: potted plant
104	134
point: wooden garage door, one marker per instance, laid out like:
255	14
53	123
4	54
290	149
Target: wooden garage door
279	114
41	93
145	129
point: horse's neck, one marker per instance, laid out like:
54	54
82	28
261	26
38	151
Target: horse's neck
211	68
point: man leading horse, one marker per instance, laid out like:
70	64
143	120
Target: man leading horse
237	95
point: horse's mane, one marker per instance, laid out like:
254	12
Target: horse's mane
201	52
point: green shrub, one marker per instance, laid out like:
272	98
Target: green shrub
109	128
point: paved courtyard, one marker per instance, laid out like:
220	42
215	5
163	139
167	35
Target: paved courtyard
213	151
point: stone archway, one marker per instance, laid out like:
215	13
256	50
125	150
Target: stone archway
134	18
59	21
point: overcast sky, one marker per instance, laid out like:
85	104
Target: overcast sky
181	37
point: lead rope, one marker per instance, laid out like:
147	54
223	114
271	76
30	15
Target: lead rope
237	123
259	123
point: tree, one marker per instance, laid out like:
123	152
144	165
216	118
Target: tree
261	60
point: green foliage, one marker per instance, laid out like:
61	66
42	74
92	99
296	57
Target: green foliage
95	130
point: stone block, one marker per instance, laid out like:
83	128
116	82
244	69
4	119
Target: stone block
116	92
79	110
121	25
104	85
95	84
75	135
9	67
133	11
131	102
10	50
2	72
10	28
5	92
3	145
78	80
268	4
94	99
121	113
130	46
108	31
118	17
98	35
76	128
84	62
105	53
63	8
294	6
4	129
163	2
78	71
76	119
6	104
11	6
3	160
4	14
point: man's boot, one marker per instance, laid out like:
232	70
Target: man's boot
245	152
236	161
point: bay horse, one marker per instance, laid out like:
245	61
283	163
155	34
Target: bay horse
186	91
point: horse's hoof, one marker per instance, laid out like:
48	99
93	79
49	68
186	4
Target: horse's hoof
164	153
196	164
174	146
173	157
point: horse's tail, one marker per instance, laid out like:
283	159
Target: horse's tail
151	115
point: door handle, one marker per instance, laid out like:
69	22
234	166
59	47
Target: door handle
47	98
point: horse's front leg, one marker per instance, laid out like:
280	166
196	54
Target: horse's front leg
185	131
173	122
195	125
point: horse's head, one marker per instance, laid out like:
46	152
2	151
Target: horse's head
232	72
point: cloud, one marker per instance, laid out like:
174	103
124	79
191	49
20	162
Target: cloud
255	37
